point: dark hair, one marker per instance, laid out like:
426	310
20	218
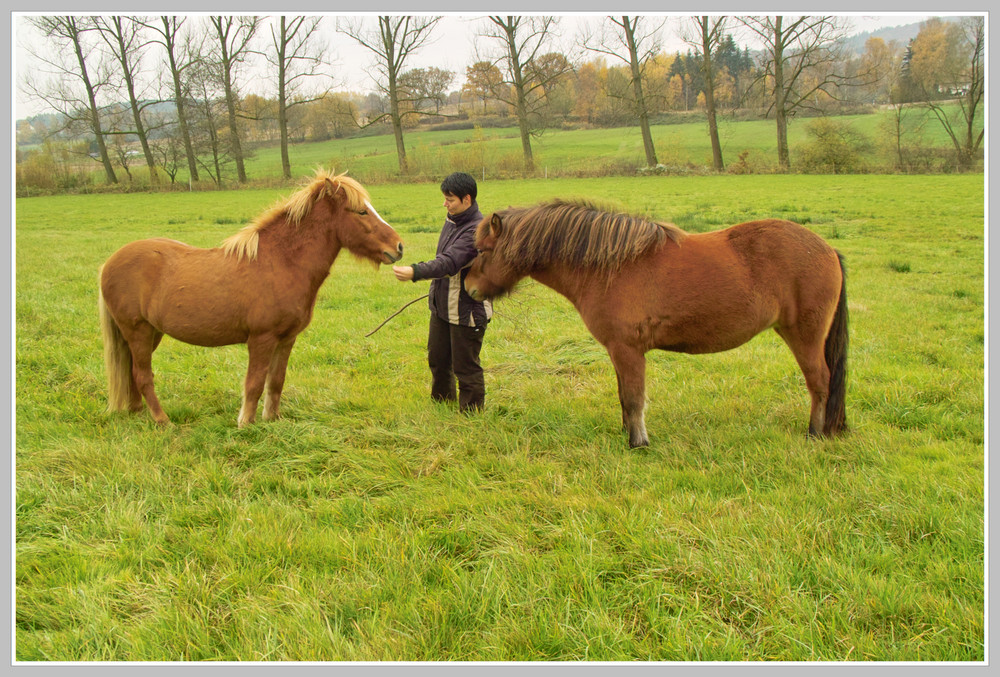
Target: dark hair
460	184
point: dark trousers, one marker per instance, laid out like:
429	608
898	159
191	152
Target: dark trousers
453	351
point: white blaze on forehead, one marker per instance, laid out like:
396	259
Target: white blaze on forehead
368	206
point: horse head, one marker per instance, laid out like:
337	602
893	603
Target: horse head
360	227
490	275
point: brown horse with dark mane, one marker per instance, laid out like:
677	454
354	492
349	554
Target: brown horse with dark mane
258	288
639	284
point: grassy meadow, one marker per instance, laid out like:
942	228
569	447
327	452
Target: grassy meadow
372	525
591	152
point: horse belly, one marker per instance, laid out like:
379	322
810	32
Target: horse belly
723	328
705	308
198	324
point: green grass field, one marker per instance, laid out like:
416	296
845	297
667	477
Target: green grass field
372	525
497	152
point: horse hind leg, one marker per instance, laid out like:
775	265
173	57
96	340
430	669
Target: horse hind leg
122	391
809	353
142	341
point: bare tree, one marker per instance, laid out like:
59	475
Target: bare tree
523	39
709	38
801	55
124	39
181	56
641	43
297	56
62	94
392	43
208	120
234	35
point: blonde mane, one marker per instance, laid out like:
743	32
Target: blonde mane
576	233
243	244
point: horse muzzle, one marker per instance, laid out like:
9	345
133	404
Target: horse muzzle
391	257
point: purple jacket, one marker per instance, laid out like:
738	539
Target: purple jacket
456	248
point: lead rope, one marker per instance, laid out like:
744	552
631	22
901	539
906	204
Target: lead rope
386	320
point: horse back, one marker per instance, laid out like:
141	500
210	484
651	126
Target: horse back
776	243
714	291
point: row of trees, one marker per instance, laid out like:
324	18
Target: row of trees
194	113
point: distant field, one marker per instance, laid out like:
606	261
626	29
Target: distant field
497	151
370	524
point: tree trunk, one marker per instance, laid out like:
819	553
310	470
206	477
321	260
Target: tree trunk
394	114
713	125
286	164
140	129
179	99
640	99
780	95
521	104
782	128
95	118
234	134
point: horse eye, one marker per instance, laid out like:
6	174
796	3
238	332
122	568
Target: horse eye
363	212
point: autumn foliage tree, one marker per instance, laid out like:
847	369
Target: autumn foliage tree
632	39
948	62
482	79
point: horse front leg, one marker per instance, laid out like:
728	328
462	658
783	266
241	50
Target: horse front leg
630	369
261	350
276	379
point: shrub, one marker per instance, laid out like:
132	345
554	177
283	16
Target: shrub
49	172
835	148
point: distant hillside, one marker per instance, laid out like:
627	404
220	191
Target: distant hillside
900	34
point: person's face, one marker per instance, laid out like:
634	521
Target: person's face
456	205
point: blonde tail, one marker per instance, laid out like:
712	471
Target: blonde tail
117	359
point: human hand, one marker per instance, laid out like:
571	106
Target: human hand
403	273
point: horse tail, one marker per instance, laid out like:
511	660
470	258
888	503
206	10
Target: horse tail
117	358
836	360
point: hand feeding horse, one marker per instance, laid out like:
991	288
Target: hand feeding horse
258	288
639	285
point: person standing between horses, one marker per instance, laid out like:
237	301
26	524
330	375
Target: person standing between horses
458	322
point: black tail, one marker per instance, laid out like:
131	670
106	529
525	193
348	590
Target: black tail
836	360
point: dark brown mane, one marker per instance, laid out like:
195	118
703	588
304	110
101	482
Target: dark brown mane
243	244
576	233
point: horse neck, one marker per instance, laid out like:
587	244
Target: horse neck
562	279
311	246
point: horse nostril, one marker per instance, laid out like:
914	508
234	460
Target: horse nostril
399	248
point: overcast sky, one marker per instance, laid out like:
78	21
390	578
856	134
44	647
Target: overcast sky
453	47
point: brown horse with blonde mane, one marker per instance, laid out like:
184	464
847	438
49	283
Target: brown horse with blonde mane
258	288
639	284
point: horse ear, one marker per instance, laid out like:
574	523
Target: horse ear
496	225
